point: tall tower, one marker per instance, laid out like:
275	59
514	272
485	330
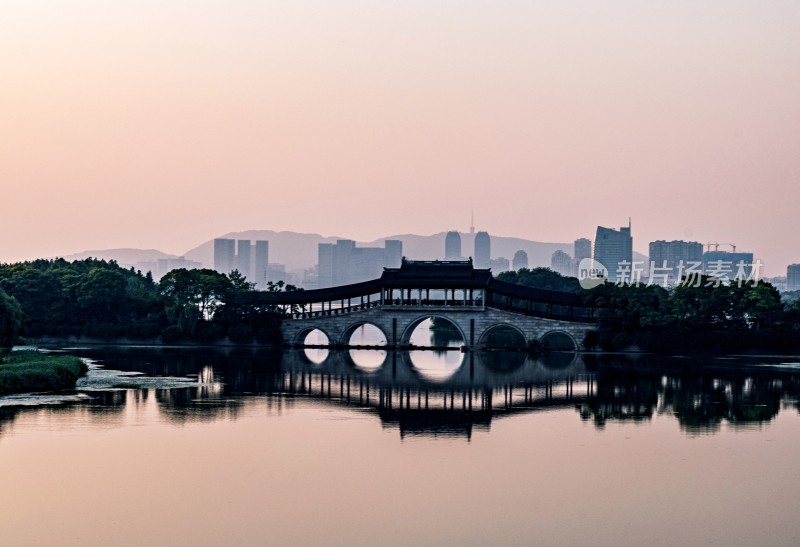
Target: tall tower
583	249
224	255
520	260
612	248
483	250
260	264
244	258
452	246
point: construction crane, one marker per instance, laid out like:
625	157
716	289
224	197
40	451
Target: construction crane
716	246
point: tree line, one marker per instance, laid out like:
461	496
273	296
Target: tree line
98	298
700	314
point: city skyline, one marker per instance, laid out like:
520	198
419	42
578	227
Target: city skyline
123	124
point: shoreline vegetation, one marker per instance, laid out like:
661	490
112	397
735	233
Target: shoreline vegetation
31	371
98	300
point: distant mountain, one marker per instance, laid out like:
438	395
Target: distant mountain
432	247
299	251
124	257
296	251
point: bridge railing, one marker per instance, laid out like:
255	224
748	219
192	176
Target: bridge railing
434	303
339	310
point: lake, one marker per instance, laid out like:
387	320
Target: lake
361	447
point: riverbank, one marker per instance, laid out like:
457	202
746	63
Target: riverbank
31	371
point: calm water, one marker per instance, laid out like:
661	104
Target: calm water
179	447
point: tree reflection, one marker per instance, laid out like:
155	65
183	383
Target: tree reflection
702	403
428	395
621	395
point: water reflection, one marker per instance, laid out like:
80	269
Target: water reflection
436	393
316	356
436	366
504	361
367	360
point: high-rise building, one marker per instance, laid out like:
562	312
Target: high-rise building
231	254
343	263
224	255
614	250
583	249
561	263
260	264
244	259
483	250
734	265
672	259
499	265
325	265
394	252
520	260
793	277
277	272
452	246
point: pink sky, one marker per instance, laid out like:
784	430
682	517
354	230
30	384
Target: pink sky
163	124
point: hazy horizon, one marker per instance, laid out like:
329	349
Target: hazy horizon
163	126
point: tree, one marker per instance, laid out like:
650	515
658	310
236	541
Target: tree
193	295
103	294
10	321
541	278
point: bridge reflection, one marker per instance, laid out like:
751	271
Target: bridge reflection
468	399
701	396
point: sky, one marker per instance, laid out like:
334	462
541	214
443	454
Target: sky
162	124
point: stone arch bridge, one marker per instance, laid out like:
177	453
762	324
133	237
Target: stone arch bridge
397	302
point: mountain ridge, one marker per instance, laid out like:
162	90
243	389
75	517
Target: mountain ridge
298	250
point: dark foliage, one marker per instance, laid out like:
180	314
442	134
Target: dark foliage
699	315
100	299
541	278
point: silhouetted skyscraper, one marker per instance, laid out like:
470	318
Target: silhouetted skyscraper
344	263
671	259
452	246
499	265
260	264
394	253
520	260
483	250
561	263
224	255
728	263
583	249
793	277
613	248
244	259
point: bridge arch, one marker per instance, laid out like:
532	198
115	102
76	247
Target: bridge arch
300	339
558	340
348	332
485	334
405	338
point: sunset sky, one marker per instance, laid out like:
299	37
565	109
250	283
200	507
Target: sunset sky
162	124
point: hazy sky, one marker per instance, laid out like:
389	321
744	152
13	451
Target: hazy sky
161	124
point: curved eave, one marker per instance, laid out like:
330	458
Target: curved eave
330	294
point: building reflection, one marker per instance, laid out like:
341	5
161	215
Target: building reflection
417	401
